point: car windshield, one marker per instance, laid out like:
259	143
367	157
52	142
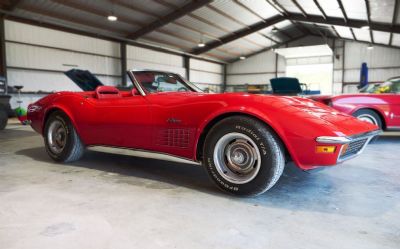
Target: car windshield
390	86
155	82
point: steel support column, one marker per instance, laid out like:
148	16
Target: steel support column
124	68
3	62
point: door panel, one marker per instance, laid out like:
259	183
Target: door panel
123	122
176	117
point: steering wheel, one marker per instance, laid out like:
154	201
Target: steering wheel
182	89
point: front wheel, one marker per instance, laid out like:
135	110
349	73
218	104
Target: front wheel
62	142
243	156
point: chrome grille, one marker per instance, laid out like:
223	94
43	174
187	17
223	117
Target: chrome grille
354	147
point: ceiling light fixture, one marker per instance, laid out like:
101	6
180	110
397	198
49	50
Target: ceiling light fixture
365	27
112	18
201	44
242	57
370	47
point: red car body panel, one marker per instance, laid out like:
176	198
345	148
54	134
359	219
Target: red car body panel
175	122
386	104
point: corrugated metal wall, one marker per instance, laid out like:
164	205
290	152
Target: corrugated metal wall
383	63
206	74
37	57
258	69
142	58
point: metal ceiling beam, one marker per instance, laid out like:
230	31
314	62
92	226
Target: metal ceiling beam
257	15
336	32
278	7
178	13
320	9
300	8
359	41
149	13
395	13
12	5
238	34
346	19
203	20
351	23
46	24
284	33
369	19
272	47
98	12
352	33
222	13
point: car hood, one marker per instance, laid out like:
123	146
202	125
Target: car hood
326	115
84	79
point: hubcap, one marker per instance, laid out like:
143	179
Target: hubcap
237	158
57	136
368	118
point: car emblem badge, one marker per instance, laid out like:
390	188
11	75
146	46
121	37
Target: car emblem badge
173	120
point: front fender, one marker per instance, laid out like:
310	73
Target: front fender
248	111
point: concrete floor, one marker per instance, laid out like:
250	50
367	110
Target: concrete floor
118	201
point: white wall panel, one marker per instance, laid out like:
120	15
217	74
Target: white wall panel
135	64
263	62
356	53
353	75
156	57
338	63
26	33
337	76
26	56
309	60
206	77
34	81
142	58
206	66
206	72
256	79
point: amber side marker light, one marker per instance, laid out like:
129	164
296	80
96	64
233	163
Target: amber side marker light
344	148
325	149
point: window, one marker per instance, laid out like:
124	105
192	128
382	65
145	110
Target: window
154	82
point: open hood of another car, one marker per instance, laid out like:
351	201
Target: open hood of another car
285	86
84	79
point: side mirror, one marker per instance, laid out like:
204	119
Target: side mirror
107	92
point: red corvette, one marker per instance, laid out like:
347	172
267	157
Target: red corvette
377	104
243	140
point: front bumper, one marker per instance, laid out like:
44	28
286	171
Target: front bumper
351	146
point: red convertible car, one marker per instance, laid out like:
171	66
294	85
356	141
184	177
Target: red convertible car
243	140
378	104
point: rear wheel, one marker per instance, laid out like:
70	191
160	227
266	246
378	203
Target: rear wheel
62	142
243	156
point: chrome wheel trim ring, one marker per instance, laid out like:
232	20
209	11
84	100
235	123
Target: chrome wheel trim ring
237	158
368	118
57	137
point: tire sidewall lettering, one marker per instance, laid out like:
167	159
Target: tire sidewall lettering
210	165
255	137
